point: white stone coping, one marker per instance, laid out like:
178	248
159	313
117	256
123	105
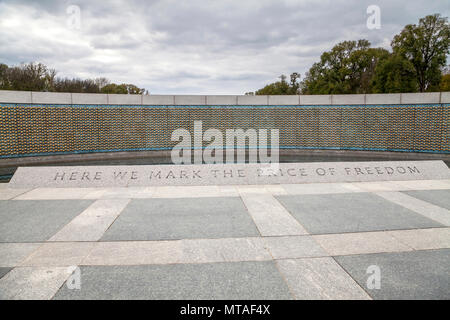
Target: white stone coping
7	96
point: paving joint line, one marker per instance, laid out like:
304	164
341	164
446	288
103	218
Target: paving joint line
117	216
351	277
248	212
20	194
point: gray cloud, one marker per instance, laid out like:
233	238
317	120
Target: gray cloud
193	47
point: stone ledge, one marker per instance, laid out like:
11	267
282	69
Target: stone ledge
158	154
7	96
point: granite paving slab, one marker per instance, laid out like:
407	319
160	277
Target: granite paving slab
59	254
403	275
319	278
31	283
36	220
185	218
57	194
293	247
426	209
8	193
422	239
91	224
360	242
236	280
440	198
320	188
271	218
351	212
425	184
12	254
4	270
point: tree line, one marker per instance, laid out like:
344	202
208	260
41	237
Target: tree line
38	77
417	63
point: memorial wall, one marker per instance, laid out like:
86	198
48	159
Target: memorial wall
56	124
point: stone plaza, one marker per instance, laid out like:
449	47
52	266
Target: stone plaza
356	207
249	237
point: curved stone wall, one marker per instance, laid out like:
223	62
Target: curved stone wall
29	129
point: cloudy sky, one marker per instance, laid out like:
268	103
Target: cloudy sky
193	47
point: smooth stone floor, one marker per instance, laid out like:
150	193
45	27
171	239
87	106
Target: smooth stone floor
227	242
163	219
4	271
237	280
440	198
338	213
404	275
33	221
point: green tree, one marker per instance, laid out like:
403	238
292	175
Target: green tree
394	75
132	89
29	77
122	89
76	85
4	82
281	87
294	84
114	88
363	65
38	77
426	46
445	82
347	68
